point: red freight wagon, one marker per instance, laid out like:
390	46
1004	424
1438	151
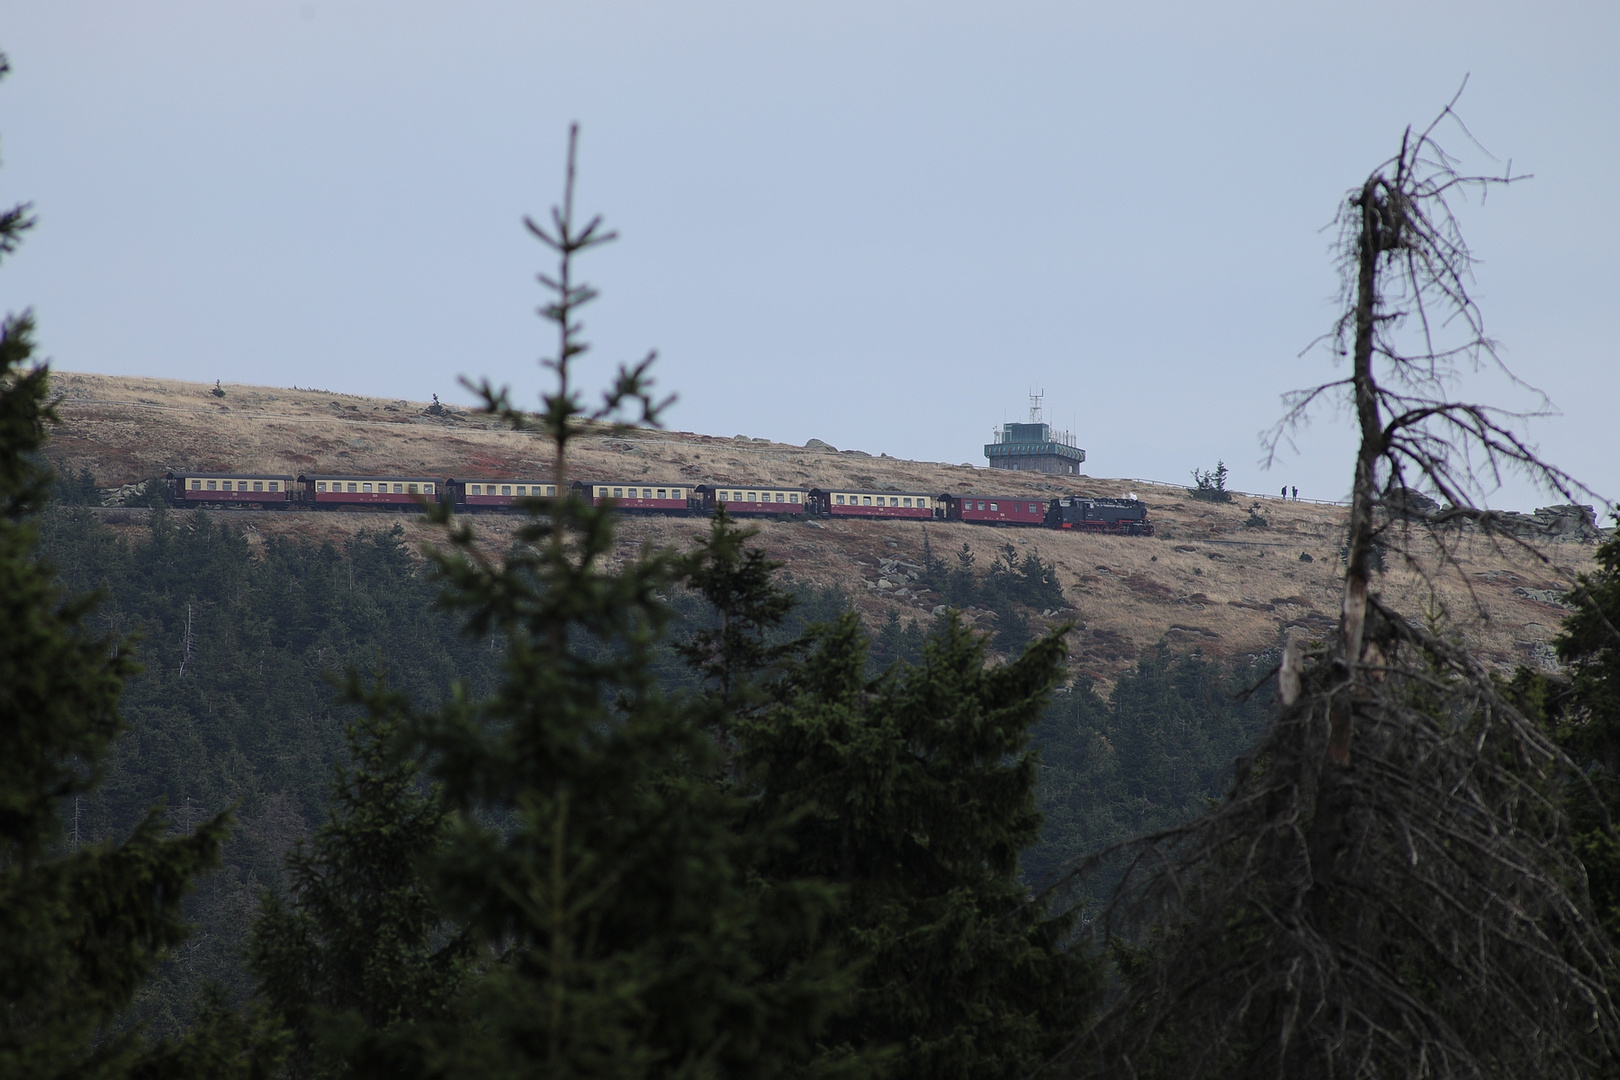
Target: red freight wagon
835	502
218	489
389	492
751	499
996	509
496	494
640	496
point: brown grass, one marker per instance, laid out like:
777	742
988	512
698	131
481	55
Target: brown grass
1205	581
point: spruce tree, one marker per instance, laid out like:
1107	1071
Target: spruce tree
1589	711
594	861
81	927
915	793
358	945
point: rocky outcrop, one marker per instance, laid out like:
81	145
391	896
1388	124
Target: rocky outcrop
1567	522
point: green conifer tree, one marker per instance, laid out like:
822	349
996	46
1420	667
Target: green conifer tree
915	792
81	926
594	862
359	945
1589	709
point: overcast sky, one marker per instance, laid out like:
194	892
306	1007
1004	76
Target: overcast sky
878	224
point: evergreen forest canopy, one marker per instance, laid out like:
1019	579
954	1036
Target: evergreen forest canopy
275	808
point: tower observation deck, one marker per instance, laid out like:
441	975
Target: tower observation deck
1034	446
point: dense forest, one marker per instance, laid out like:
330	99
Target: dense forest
244	648
271	808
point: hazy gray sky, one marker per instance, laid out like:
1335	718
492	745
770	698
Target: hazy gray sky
878	224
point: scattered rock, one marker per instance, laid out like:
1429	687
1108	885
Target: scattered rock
1409	503
118	496
1545	596
1305	556
817	444
1543	655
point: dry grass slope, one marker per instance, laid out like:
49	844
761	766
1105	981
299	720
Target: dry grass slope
1206	581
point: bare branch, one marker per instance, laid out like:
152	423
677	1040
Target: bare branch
1389	889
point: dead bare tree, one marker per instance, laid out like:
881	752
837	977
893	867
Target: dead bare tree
1388	890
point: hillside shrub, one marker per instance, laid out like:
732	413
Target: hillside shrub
1210	485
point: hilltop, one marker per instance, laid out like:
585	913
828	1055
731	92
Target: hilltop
1210	579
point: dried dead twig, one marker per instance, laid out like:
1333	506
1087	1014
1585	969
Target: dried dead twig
1389	890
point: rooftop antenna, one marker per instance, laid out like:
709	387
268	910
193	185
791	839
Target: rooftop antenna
1035	405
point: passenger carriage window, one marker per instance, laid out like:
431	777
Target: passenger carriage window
663	493
275	485
211	485
258	485
365	487
353	487
474	490
618	493
866	500
793	496
993	506
1033	509
320	485
427	489
752	497
196	485
506	489
551	489
676	494
838	499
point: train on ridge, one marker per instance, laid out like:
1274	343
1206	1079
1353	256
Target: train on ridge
1078	513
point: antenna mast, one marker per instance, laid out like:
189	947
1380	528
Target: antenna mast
1035	405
